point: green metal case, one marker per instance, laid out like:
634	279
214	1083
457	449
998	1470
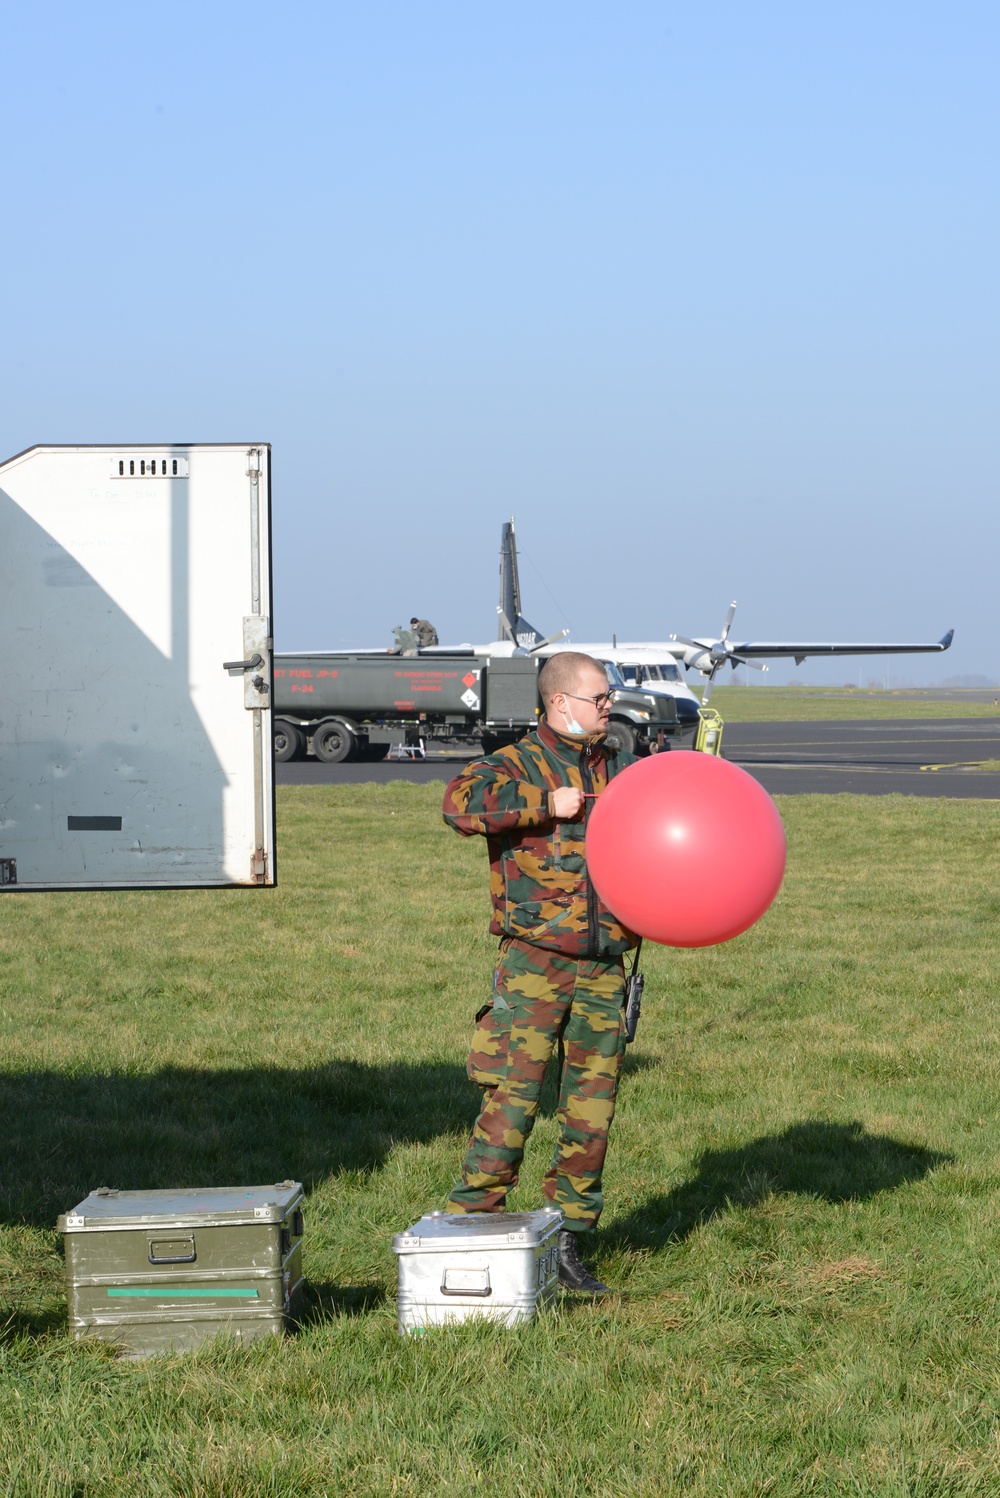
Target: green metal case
164	1271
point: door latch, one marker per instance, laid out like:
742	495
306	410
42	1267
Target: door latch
256	665
251	665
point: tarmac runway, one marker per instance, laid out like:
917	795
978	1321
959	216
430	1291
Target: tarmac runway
958	757
902	756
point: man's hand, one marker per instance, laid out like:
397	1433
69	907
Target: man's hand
566	803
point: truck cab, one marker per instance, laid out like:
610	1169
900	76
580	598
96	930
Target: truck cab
650	673
642	721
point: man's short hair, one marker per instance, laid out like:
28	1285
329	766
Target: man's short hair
414	620
562	672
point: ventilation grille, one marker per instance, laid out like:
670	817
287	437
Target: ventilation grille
149	466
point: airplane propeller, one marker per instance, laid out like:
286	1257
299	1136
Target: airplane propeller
508	630
709	656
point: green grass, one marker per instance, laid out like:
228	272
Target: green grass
802	1187
781	704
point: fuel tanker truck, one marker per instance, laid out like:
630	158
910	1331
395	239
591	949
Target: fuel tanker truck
356	706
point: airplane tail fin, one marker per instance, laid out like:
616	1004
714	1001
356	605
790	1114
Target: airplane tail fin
526	635
512	625
509	610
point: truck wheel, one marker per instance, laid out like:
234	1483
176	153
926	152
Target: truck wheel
332	742
289	741
620	736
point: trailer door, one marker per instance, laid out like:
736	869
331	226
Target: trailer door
135	597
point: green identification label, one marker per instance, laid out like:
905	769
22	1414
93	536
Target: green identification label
165	1294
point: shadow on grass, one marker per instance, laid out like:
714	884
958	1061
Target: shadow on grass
832	1162
64	1135
323	1300
31	1324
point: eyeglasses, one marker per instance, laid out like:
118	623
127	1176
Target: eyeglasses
603	699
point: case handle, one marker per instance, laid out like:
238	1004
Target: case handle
466	1282
155	1258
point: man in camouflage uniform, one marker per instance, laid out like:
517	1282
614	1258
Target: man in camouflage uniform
559	980
425	632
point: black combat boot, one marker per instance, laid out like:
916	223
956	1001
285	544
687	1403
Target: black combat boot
572	1274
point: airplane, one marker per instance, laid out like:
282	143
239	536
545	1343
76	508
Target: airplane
656	665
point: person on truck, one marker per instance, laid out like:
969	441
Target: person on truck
425	632
559	980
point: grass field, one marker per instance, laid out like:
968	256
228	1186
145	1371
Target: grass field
802	1185
788	704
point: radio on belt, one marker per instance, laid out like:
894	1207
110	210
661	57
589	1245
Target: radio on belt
163	1271
456	1265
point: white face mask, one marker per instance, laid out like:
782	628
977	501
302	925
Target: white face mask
572	726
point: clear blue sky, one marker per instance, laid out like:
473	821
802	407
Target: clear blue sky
705	295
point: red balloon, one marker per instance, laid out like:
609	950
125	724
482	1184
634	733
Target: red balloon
686	849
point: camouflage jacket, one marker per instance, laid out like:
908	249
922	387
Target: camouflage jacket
538	874
425	632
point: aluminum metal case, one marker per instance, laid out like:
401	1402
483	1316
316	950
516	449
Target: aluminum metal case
498	1265
163	1271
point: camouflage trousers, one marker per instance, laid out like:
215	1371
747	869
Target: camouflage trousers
543	1000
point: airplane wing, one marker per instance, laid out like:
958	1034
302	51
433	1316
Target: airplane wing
768	650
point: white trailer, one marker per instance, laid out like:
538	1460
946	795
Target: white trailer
135	735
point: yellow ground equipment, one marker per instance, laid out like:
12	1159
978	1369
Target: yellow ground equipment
708	739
